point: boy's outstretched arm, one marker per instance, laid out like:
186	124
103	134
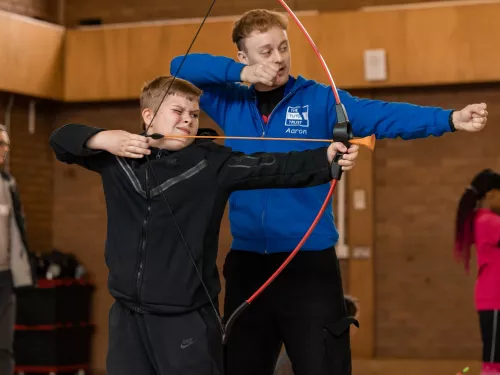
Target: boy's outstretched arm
91	147
294	169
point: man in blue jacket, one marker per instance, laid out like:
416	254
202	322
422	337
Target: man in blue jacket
304	307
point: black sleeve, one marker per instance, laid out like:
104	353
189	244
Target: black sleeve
275	170
68	143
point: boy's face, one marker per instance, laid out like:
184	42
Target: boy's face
4	146
177	116
271	46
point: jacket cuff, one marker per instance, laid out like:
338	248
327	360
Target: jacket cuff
450	121
444	120
233	73
87	132
320	157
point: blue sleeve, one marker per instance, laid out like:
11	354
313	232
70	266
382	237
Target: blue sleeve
217	76
204	69
391	119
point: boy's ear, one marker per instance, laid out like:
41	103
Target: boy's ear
147	115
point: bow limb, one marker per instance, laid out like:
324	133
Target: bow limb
343	128
316	51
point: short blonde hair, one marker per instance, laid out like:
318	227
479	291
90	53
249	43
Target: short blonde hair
257	19
154	91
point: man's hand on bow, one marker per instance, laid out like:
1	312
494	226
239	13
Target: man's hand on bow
471	119
120	143
348	159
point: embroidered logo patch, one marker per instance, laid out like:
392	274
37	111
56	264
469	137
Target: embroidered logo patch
297	116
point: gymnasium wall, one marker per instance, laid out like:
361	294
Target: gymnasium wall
71	12
79	204
421	293
46	10
31	163
118	11
423	301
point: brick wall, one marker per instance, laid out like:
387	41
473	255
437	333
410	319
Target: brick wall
46	10
424	303
79	210
424	300
31	165
79	221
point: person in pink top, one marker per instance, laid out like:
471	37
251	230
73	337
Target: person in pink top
478	223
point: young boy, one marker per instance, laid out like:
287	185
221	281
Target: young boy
163	212
267	225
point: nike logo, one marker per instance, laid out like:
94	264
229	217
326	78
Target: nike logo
187	342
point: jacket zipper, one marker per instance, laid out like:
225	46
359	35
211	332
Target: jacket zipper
142	253
263	135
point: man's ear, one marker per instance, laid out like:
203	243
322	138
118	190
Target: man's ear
242	57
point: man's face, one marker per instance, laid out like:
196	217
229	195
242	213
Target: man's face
177	116
4	146
271	46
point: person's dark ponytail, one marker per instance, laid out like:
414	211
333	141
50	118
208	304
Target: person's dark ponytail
464	229
481	184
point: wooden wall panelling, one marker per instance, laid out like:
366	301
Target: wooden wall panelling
424	47
120	11
32	56
119	60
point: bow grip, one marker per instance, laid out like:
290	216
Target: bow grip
342	132
335	168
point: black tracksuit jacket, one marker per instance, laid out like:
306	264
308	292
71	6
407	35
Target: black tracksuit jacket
149	267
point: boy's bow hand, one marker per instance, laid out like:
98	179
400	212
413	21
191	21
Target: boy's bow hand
472	118
349	158
120	143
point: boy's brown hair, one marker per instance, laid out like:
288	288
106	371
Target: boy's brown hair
154	91
257	19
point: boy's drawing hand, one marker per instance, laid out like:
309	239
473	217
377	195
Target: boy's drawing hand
120	143
348	160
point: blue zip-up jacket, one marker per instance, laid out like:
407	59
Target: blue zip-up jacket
269	221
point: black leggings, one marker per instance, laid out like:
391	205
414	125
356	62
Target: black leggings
489	321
